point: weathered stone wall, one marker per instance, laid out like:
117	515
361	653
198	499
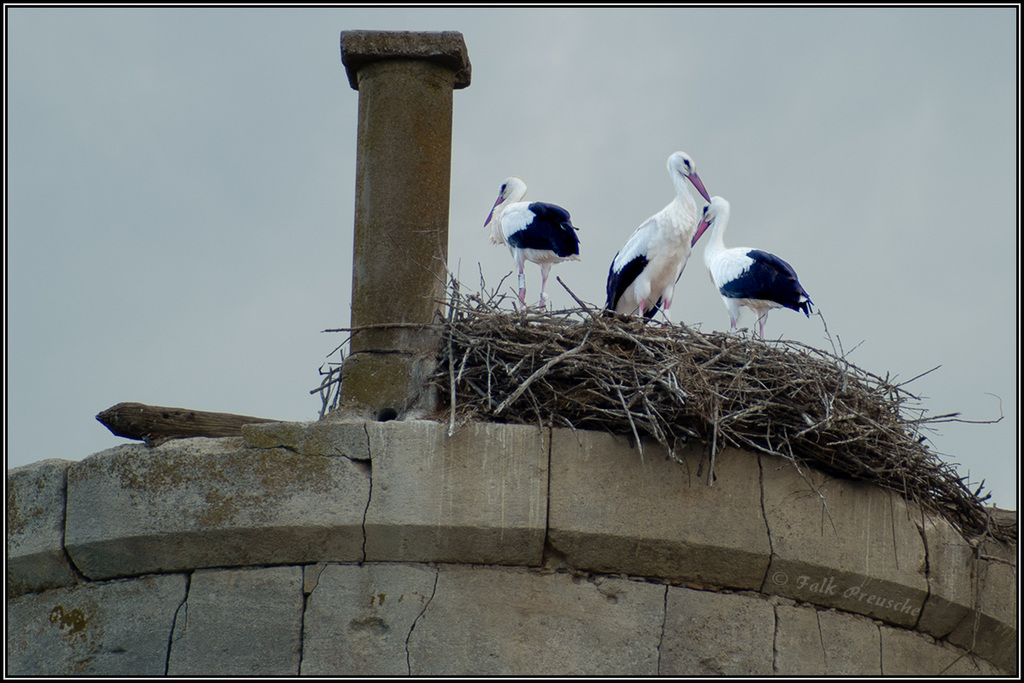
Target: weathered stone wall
391	548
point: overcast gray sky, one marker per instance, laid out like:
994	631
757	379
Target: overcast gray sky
180	191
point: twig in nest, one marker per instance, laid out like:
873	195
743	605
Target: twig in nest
541	371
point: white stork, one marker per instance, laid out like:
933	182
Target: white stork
644	272
534	231
748	277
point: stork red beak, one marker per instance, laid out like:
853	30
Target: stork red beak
490	214
695	179
701	227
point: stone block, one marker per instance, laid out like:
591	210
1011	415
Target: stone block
35	527
492	621
240	622
358	618
323	437
798	649
967	664
191	504
395	384
843	544
710	633
112	629
615	511
991	631
479	496
950	577
851	643
905	653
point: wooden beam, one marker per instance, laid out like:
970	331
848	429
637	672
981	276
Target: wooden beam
157	424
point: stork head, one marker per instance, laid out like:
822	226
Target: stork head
681	165
717	210
512	190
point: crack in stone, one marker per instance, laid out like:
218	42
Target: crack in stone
369	496
302	617
547	504
881	671
174	622
892	525
821	644
664	625
319	567
75	571
927	570
775	641
408	637
767	527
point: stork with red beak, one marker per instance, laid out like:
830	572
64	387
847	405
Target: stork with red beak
534	231
644	272
748	277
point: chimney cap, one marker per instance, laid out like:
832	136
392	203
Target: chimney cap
446	48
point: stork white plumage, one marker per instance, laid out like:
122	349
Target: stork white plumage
645	270
534	231
748	277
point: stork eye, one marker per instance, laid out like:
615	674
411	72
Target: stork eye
705	211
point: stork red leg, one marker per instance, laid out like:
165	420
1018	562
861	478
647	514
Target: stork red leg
522	288
545	270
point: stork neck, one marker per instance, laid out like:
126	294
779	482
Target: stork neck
682	191
514	196
716	242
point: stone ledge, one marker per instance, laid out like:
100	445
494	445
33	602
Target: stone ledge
479	496
950	572
613	510
843	544
195	503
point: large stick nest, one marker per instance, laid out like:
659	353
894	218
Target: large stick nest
592	369
589	369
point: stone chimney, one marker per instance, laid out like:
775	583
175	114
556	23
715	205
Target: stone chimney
403	175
